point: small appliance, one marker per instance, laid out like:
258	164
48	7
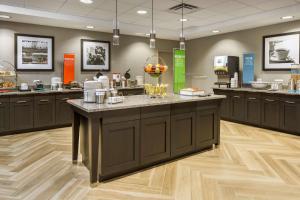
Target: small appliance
24	87
90	88
225	67
38	85
56	83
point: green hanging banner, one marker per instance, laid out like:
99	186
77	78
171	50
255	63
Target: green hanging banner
179	70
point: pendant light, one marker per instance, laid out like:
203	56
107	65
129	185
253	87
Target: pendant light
182	38
116	31
152	33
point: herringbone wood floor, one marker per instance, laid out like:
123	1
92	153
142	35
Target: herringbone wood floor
250	164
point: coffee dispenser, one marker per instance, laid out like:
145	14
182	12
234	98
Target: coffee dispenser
225	67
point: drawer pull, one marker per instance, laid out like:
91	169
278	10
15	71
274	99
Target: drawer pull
252	98
0	103
236	97
65	99
44	100
19	102
270	100
290	102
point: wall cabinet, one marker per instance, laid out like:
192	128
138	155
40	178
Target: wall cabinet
4	114
120	147
21	113
44	111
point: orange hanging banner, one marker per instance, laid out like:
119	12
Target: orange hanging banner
69	68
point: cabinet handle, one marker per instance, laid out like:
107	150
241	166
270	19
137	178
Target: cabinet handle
290	102
21	102
44	100
65	99
270	100
0	103
252	98
236	97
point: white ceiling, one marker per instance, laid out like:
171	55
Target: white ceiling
223	15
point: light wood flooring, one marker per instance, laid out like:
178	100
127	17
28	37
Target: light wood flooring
250	164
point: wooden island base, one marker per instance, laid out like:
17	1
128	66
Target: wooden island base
121	141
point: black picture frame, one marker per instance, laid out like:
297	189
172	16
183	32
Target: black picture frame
34	36
83	69
264	49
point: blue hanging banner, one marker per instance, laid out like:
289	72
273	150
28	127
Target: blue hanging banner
248	67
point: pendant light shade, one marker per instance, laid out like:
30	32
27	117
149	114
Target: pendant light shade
182	38
116	30
152	33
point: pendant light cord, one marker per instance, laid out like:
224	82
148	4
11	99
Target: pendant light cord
152	18
116	14
182	19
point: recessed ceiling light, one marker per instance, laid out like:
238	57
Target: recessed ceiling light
90	27
216	31
183	20
287	17
142	12
5	16
87	1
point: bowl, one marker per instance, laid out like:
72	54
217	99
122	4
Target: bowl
259	85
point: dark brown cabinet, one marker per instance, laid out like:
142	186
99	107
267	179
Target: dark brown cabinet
183	130
225	105
207	127
64	113
21	113
270	112
4	114
155	139
120	147
290	115
44	111
253	108
237	106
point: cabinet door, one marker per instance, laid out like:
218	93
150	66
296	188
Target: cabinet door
270	112
21	113
120	147
44	111
290	116
253	109
237	107
4	115
206	128
64	114
182	133
225	104
155	139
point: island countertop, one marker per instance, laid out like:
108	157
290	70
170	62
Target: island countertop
139	101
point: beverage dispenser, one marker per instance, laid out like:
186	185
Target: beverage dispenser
225	67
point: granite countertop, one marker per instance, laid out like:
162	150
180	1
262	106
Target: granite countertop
283	92
32	92
139	101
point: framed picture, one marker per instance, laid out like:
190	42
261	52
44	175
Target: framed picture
281	51
95	55
34	52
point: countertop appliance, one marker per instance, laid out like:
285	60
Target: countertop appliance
225	67
38	85
90	88
56	83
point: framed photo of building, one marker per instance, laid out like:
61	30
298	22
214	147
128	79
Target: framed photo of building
95	55
281	51
34	52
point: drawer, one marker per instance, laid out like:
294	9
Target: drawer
183	108
4	100
121	115
155	111
21	99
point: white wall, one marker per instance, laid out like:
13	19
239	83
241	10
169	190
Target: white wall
132	52
200	53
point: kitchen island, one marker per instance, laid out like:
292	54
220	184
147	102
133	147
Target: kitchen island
141	132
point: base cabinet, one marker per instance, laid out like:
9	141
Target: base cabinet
206	128
183	128
270	112
155	139
253	109
290	115
120	147
44	111
4	114
237	106
21	113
